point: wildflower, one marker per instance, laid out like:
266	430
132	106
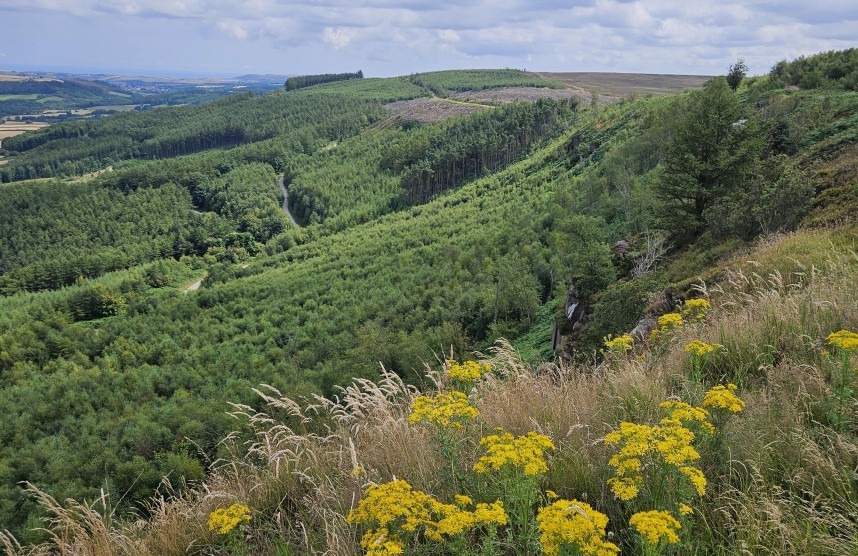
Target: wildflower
701	348
620	343
685	509
574	524
377	542
641	445
392	503
525	452
463	501
695	309
490	513
723	397
669	321
656	526
626	488
844	339
685	414
223	521
393	510
551	495
445	410
469	371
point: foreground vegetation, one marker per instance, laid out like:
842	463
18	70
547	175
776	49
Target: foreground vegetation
781	438
415	238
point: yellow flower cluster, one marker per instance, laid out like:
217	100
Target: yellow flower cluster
666	323
526	452
469	371
685	509
723	397
843	339
620	343
222	521
686	415
446	410
700	348
574	524
378	542
695	309
455	520
669	321
668	444
394	508
656	526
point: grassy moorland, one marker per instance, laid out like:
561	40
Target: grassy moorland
620	85
421	242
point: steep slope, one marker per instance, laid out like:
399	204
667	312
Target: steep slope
119	380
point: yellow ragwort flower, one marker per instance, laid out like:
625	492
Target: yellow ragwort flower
669	321
445	410
723	397
640	445
573	524
463	501
684	414
378	542
701	348
696	476
685	509
843	339
394	509
656	526
695	309
526	452
223	521
620	343
469	371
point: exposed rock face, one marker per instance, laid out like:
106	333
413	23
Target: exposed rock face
643	329
574	306
568	327
620	248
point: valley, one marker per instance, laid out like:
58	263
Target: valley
251	300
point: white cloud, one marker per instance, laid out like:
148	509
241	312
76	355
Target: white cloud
338	38
694	36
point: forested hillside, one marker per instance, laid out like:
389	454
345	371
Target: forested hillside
547	223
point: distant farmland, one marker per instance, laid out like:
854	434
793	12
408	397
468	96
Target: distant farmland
623	84
11	129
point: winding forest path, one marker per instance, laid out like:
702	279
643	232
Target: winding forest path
286	202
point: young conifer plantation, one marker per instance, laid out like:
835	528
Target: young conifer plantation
312	322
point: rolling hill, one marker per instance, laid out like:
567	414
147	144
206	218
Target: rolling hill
549	225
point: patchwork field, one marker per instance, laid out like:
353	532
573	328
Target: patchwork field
623	84
11	129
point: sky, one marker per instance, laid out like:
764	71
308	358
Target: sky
397	37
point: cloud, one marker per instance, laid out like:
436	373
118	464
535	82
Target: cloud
337	38
692	36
